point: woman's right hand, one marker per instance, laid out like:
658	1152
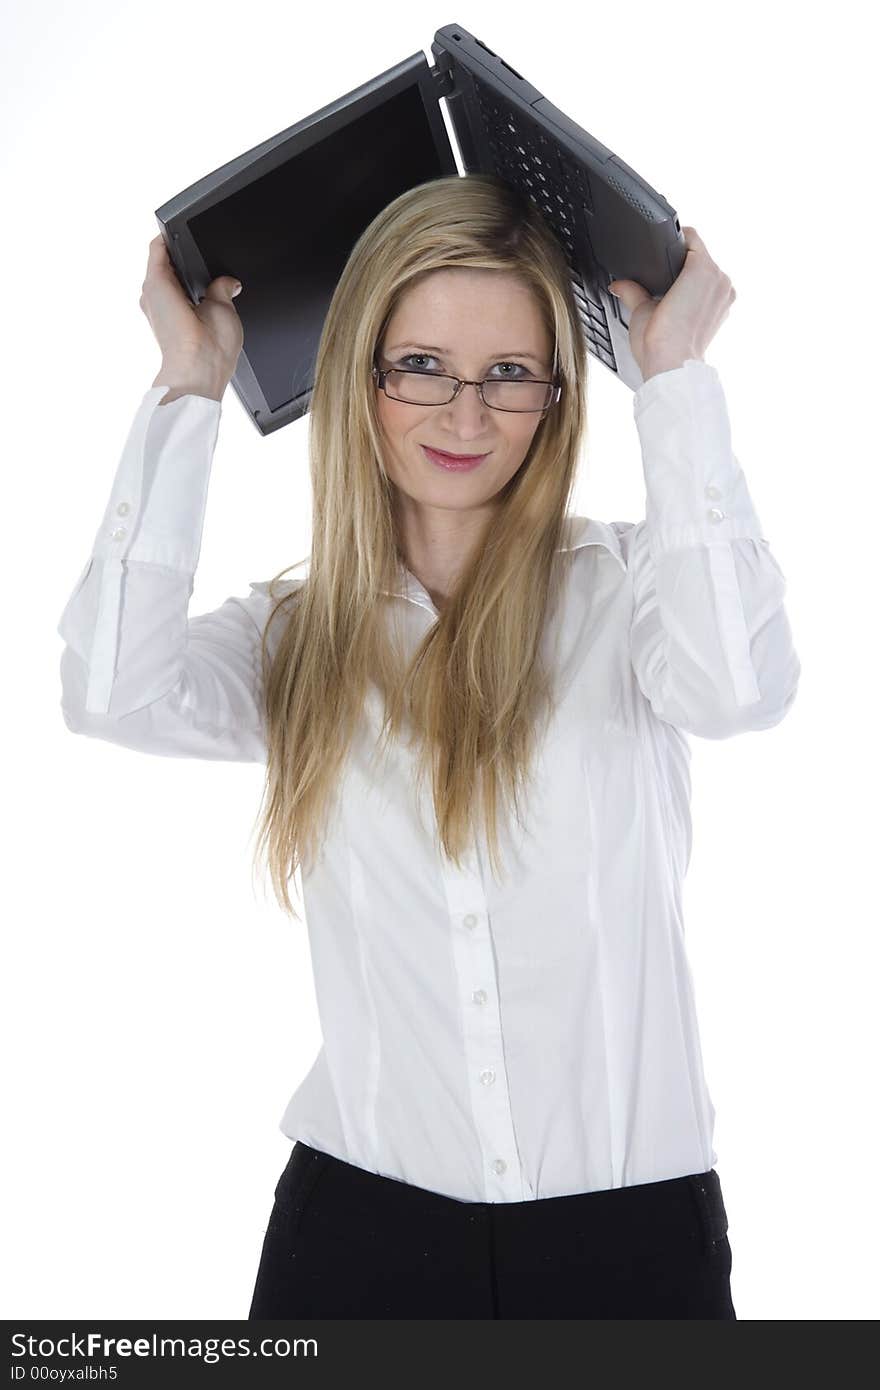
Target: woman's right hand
200	341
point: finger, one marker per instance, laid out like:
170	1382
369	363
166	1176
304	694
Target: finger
158	259
629	292
693	241
159	267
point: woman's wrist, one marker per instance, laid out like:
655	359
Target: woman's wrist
189	380
668	361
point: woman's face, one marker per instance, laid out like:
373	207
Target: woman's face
468	321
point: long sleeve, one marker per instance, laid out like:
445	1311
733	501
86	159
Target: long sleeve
711	644
135	669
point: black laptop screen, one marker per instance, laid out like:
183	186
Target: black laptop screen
288	233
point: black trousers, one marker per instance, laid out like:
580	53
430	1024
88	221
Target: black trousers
343	1242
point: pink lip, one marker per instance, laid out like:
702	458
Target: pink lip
454	462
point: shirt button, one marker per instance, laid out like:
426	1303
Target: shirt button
499	1166
713	492
487	1077
479	996
470	920
123	509
118	533
715	514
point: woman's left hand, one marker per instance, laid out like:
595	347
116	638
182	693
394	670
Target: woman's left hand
663	333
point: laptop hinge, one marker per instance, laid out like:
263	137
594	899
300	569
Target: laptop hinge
444	80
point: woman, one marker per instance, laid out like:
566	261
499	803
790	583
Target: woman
508	1117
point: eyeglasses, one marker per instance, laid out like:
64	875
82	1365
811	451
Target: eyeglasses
432	388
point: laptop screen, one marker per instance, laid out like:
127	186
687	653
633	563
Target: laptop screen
288	233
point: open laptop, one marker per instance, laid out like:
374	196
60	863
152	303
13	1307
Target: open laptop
284	216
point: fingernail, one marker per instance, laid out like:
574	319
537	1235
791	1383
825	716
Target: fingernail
236	291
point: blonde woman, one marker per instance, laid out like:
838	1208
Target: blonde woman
474	710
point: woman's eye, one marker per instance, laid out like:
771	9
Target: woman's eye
423	355
426	357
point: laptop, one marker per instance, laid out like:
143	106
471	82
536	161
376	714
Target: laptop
284	216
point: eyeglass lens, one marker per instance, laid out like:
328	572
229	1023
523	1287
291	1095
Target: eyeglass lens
430	388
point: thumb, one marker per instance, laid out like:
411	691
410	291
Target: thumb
223	288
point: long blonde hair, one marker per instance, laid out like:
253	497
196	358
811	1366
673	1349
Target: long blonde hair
473	695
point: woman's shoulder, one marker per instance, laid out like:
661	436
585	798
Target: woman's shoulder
265	603
275	589
271	590
614	536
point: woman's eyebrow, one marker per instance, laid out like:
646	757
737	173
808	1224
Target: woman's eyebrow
443	352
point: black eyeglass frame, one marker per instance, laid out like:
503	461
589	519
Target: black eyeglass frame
380	373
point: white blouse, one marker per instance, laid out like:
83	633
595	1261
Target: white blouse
490	1041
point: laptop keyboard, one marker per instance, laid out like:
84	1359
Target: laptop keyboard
526	158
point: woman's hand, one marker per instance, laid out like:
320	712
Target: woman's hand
200	341
663	333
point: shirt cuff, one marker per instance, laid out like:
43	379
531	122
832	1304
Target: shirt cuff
155	514
156	510
696	492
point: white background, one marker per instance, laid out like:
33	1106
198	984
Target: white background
158	1009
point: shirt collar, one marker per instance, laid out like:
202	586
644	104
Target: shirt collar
581	531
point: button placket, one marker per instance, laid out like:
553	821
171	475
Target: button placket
481	1029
